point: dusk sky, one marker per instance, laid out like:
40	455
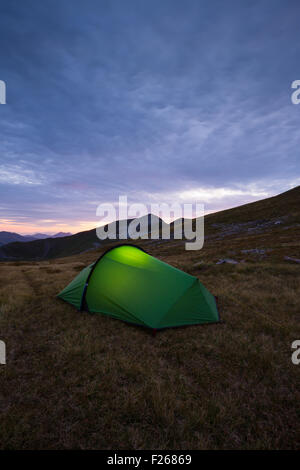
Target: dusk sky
162	101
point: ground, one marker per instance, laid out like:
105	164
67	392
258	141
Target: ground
76	380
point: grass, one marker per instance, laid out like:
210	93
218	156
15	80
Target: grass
75	380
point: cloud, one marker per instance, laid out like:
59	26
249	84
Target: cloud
153	100
18	175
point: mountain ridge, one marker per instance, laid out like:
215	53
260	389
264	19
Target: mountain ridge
10	237
282	211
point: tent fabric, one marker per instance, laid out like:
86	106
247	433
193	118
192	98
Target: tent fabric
128	284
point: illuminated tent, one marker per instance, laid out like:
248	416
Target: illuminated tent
129	284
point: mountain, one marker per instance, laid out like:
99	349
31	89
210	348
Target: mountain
50	247
41	236
61	234
9	237
275	213
65	246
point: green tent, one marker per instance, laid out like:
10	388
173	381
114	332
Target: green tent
128	284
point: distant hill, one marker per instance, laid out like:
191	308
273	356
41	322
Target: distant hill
283	210
61	246
9	237
61	234
50	247
40	236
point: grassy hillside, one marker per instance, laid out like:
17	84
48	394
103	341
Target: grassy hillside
76	380
285	205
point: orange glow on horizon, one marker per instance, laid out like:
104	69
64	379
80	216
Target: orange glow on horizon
23	228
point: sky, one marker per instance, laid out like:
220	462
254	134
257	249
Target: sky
162	101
